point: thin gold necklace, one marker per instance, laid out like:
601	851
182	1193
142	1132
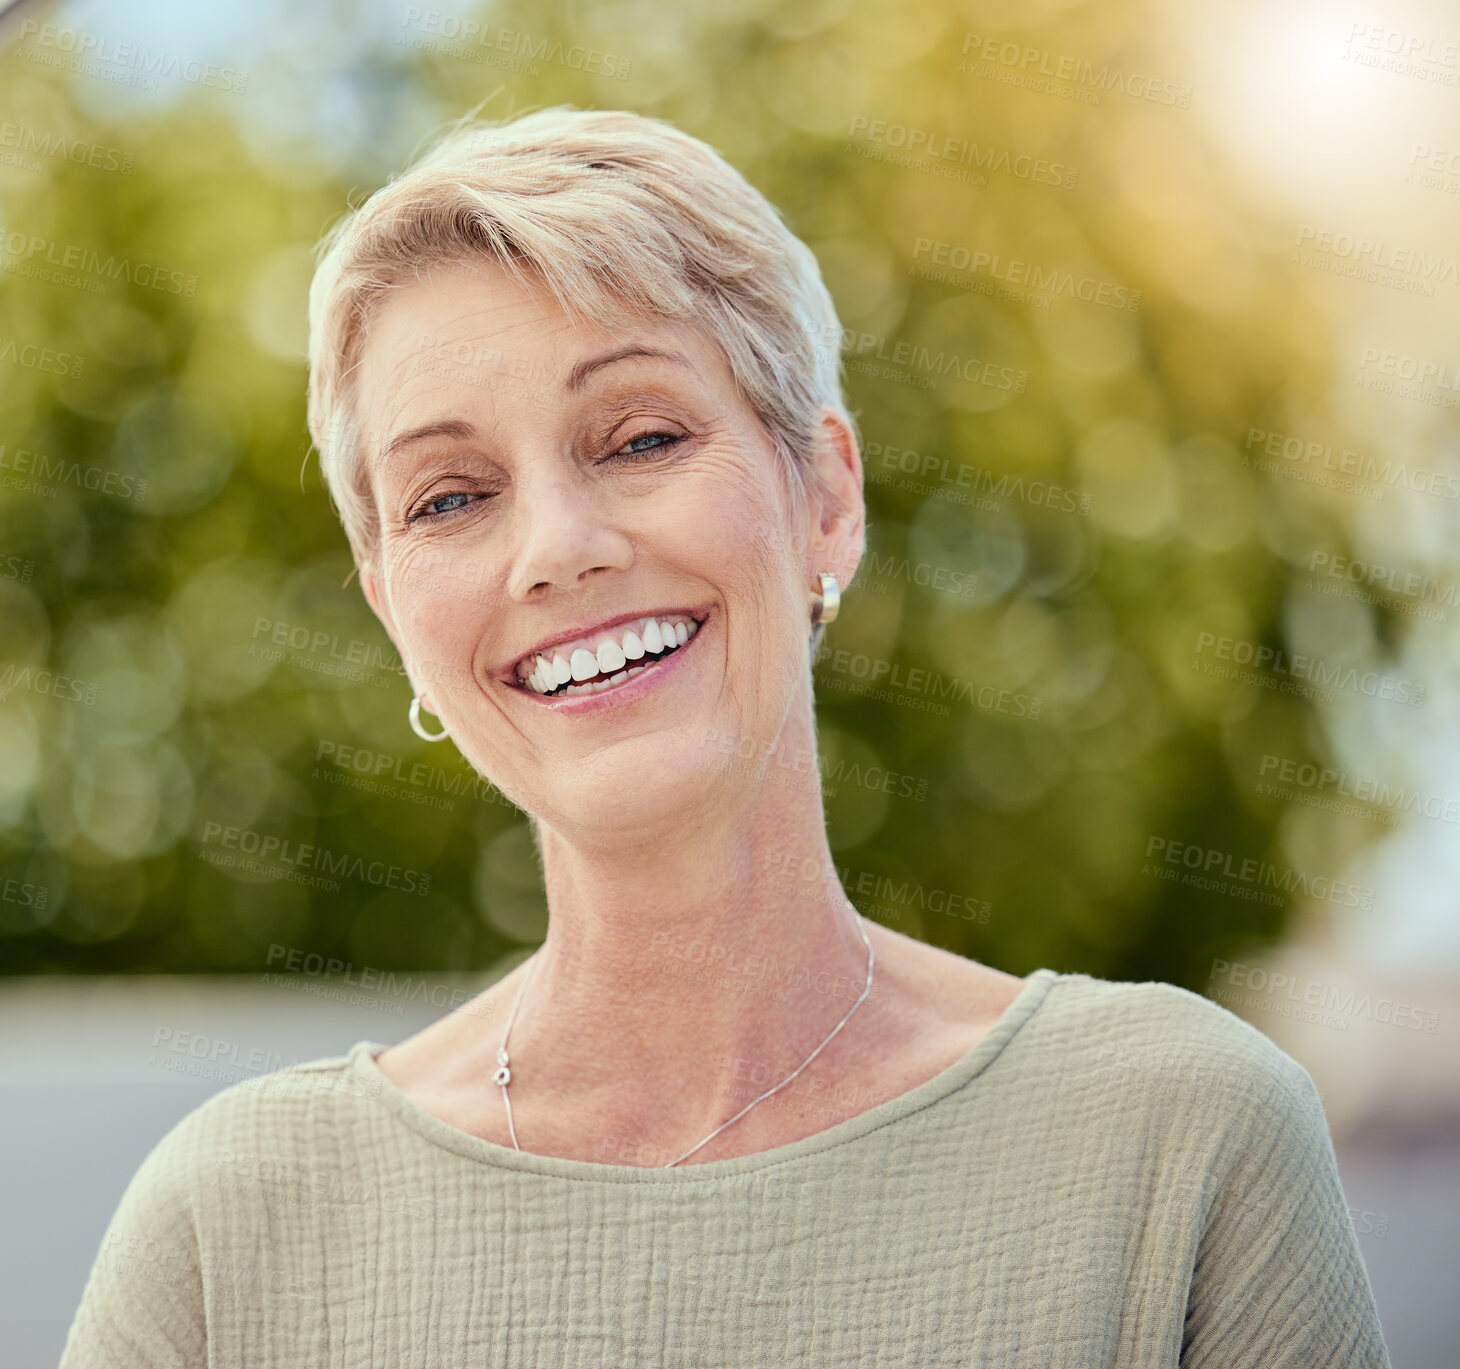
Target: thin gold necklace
503	1074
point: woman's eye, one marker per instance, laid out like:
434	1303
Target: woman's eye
639	448
432	507
635	450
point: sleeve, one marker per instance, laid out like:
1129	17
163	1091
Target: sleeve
1278	1279
142	1307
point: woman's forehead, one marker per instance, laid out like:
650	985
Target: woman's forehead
499	341
489	328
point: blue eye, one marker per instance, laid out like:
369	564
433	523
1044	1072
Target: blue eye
428	509
631	451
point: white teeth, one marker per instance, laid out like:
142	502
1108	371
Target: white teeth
653	638
578	689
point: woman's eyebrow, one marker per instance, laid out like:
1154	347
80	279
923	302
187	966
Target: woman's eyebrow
442	427
585	368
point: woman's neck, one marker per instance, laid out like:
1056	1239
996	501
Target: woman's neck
670	977
689	967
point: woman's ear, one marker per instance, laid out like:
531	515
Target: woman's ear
375	597
838	508
371	587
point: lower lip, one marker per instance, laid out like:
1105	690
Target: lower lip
625	692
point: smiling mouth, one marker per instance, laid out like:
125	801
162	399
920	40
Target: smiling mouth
606	659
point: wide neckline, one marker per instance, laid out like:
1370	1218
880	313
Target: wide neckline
361	1062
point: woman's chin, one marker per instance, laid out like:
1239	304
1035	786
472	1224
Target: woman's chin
658	797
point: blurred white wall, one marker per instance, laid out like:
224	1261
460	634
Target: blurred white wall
93	1073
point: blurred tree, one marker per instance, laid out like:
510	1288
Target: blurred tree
1061	329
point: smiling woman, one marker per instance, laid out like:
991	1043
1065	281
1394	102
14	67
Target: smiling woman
575	388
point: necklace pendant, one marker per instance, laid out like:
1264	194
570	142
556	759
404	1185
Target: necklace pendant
503	1076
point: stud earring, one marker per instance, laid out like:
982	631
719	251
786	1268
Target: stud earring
415	717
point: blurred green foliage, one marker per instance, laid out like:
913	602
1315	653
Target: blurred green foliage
1061	539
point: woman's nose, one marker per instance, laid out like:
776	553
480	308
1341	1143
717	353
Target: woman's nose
562	531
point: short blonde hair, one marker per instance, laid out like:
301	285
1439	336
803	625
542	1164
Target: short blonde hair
622	216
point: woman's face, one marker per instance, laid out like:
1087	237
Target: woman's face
546	489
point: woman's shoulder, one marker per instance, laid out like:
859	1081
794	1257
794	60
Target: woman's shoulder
276	1119
200	1206
297	1093
1160	1040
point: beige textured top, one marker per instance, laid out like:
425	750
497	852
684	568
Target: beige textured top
1117	1174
